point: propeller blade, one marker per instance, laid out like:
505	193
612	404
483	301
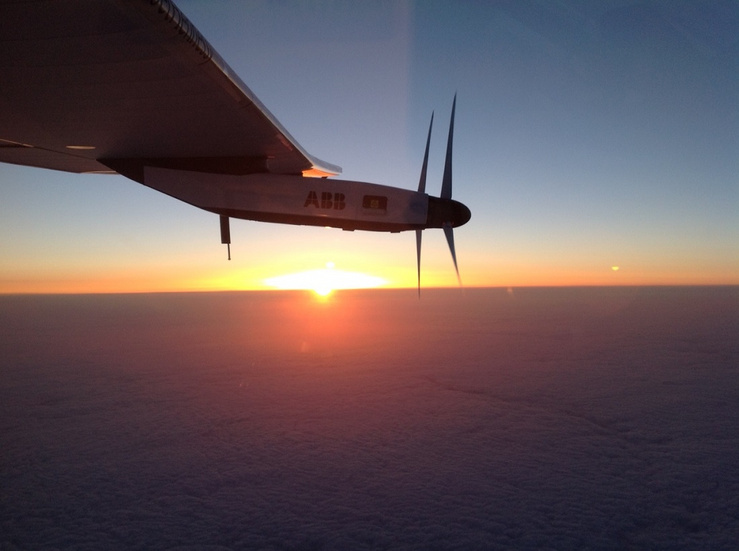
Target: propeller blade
449	233
446	182
422	181
422	189
419	233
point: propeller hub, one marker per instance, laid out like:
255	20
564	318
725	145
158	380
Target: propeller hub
446	212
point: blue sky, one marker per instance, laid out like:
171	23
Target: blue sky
588	135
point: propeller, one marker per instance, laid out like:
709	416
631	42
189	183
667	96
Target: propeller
446	182
443	211
422	189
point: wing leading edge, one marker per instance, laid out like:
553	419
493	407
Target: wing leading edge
116	85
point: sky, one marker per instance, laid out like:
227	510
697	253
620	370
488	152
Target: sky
596	143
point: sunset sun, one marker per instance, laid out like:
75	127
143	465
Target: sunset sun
324	281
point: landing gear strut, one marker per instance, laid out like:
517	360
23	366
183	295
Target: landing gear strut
226	234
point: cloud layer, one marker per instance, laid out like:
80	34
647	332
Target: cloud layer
536	418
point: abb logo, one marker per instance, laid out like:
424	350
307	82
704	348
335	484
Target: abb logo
327	200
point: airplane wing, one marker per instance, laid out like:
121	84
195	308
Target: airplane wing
113	85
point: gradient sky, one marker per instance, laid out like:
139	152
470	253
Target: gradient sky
588	135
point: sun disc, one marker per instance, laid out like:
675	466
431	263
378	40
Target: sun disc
322	290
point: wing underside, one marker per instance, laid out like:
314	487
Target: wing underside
116	85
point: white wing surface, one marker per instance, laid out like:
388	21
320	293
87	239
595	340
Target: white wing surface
113	85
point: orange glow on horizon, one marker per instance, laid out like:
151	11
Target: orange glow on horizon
324	281
355	273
